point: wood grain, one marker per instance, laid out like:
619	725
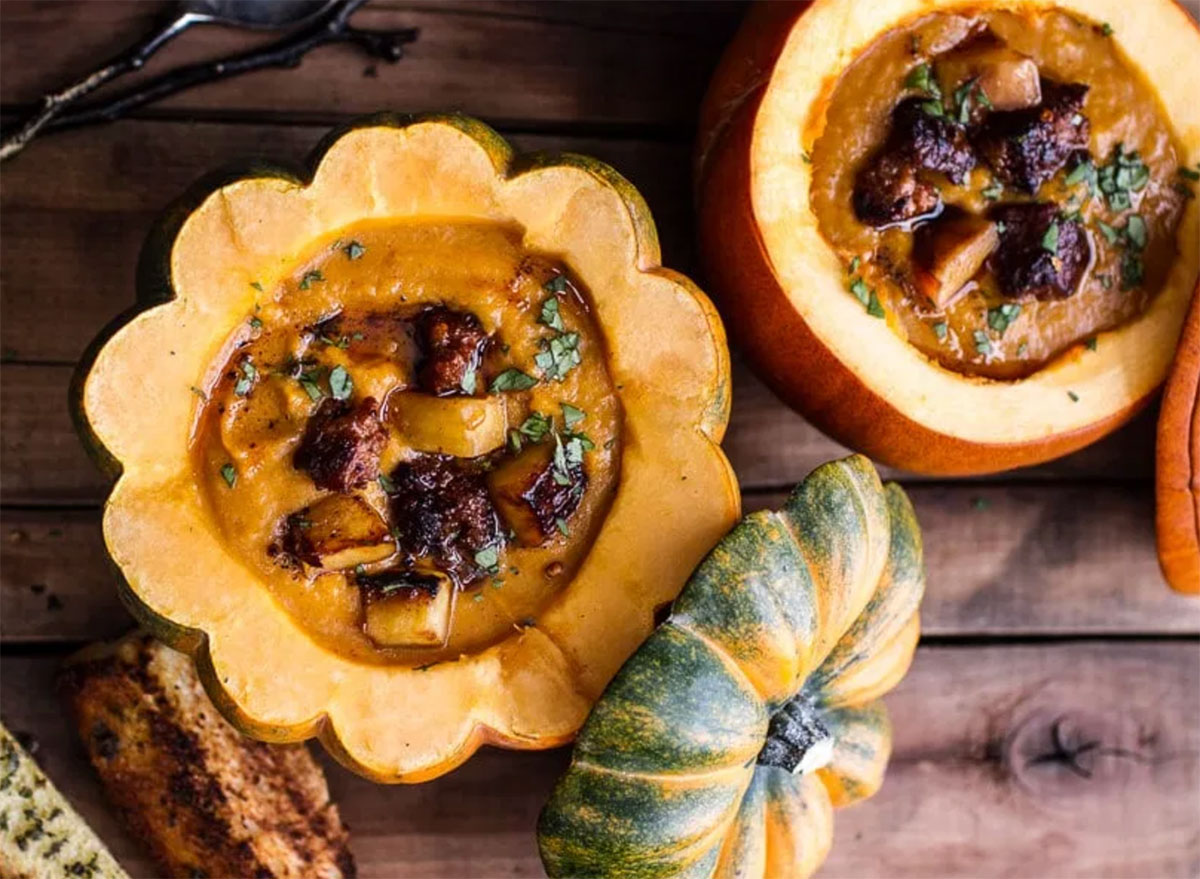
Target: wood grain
656	63
987	790
1002	560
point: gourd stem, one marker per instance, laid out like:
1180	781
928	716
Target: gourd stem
797	740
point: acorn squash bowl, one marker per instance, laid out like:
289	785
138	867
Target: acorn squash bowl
409	226
810	299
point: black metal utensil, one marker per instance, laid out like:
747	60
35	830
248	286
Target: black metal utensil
253	14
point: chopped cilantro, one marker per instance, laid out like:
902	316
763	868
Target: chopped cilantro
983	344
1135	231
572	416
536	427
861	291
310	381
1091	343
340	383
557	284
873	307
561	523
993	190
354	250
939	330
934	108
1022	349
512	380
249	374
469	380
255	323
1002	317
550	315
1111	235
854	264
386	484
1185	171
257	286
559	355
1074	396
488	559
921	77
309	278
1106	29
806	157
1050	239
1132	271
229	474
1085	171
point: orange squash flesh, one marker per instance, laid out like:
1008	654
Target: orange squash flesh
204	269
1178	464
848	373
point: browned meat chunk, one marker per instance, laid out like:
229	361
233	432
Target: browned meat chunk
341	445
442	513
539	489
1041	255
888	192
203	799
453	343
933	142
1025	148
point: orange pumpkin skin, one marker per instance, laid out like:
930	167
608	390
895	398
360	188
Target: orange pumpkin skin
773	336
1177	476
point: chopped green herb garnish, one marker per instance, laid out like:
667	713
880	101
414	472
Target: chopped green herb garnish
354	250
386	484
488	559
983	344
469	380
557	284
1091	343
1135	231
1050	239
257	286
342	342
980	503
934	108
962	99
310	381
1074	396
340	383
309	278
993	190
1185	171
1111	235
854	264
558	356
1106	29
1022	349
921	77
255	323
536	427
1084	171
939	330
861	291
1132	271
199	393
806	157
229	474
249	374
561	523
572	416
512	380
873	307
1002	317
550	315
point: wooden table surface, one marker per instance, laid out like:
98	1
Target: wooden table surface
1051	722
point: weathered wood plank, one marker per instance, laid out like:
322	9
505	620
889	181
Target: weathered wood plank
978	785
534	64
43	462
94	194
1002	560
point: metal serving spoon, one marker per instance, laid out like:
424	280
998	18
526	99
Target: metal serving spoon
253	14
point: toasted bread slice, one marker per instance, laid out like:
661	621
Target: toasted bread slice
206	800
41	836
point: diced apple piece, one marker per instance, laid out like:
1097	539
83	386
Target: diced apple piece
949	253
338	532
406	609
529	497
465	427
1010	80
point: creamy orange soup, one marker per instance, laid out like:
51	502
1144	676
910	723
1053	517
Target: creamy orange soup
1122	192
358	468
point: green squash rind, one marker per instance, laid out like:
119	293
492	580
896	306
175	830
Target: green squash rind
661	783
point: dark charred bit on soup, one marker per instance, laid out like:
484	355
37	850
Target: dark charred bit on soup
1041	255
1025	148
341	445
889	192
442	513
453	344
398	583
